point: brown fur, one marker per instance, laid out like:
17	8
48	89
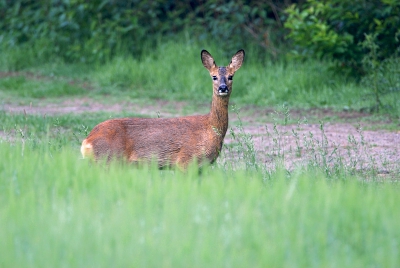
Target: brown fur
172	141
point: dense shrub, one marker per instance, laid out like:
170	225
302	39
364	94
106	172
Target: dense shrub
336	28
95	30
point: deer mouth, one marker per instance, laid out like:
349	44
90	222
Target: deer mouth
223	92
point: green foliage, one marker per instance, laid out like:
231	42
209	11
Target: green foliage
87	31
77	30
335	29
239	22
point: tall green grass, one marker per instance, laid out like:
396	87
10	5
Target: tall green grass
57	210
173	71
34	87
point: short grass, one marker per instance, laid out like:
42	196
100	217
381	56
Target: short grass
57	210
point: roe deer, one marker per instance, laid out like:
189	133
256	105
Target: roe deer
170	141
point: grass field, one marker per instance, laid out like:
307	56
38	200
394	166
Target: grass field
174	71
58	210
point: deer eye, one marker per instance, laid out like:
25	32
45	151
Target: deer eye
214	77
230	77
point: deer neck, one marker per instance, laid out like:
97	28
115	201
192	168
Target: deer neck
219	115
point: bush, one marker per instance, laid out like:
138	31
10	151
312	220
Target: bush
85	31
77	30
335	29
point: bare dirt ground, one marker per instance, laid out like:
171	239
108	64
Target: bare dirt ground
338	142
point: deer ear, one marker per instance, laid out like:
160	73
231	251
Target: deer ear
207	60
237	60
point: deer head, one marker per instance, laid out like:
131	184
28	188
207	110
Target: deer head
222	76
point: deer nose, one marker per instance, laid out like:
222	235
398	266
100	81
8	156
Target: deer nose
223	89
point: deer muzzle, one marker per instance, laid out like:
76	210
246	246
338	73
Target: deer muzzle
223	90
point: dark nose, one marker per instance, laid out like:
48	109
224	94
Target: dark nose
223	89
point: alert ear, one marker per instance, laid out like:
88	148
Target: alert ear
207	60
237	60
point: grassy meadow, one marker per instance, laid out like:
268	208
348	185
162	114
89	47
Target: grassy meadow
58	210
174	71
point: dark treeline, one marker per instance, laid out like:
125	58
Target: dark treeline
96	29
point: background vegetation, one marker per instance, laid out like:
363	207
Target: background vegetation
104	31
96	30
335	29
